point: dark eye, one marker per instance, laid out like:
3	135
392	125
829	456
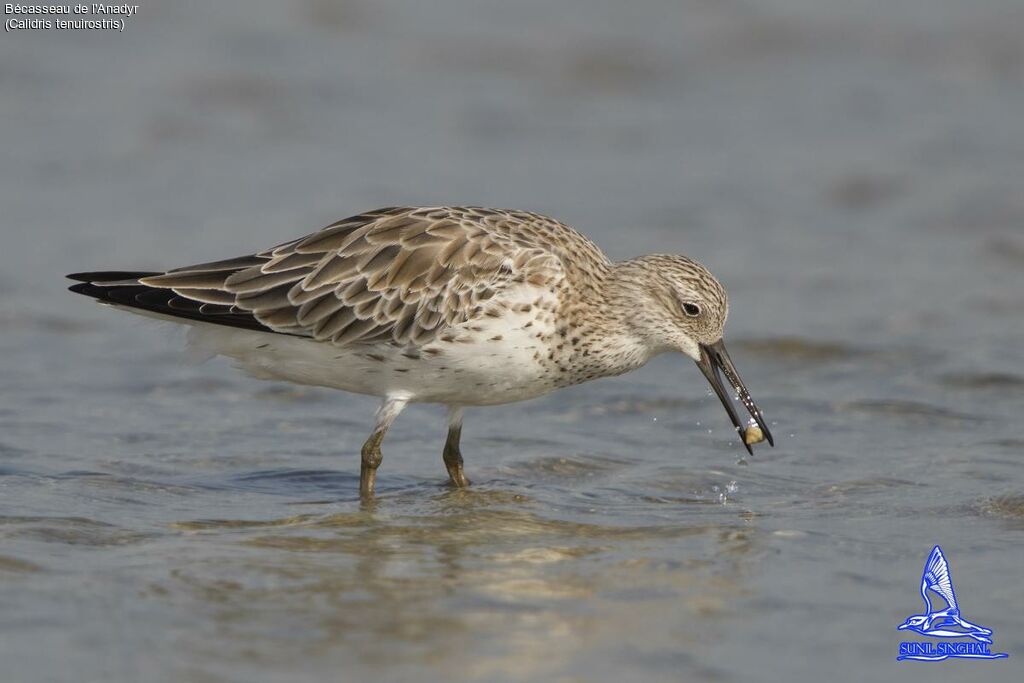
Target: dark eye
692	310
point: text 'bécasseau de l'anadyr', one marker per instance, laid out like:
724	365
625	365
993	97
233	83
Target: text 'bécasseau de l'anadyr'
92	16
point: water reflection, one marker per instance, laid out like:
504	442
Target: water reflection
408	581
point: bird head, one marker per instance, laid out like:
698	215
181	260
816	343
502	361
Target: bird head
675	303
914	623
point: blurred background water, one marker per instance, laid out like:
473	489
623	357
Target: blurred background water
851	170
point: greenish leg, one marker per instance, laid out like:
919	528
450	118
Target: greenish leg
452	455
371	455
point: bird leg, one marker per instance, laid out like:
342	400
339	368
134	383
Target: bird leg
371	455
452	454
371	458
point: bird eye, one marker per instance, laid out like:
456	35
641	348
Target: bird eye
692	310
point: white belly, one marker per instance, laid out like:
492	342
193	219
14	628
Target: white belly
487	361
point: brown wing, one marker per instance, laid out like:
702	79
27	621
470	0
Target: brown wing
402	275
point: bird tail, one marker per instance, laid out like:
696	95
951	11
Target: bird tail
124	289
119	287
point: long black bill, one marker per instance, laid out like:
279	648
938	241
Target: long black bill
714	361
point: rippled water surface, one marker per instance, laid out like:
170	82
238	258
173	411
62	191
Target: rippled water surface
851	171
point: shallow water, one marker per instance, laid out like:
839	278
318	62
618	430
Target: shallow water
850	170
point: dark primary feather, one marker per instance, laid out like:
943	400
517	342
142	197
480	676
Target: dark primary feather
108	275
163	301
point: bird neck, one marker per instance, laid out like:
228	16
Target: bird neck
631	292
615	338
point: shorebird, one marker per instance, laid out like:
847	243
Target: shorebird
461	306
933	622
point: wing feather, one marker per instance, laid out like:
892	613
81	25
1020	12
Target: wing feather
338	242
401	275
226	265
265	300
936	575
208	296
299	295
290	261
354	331
254	280
332	324
380	260
315	310
332	270
278	318
201	279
